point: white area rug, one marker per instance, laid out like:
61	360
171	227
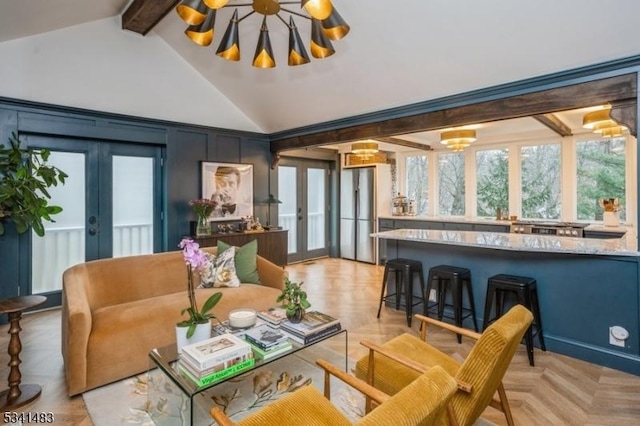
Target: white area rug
131	401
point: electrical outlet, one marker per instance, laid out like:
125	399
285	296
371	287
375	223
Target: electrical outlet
433	295
618	335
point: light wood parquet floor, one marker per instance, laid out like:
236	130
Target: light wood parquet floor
558	391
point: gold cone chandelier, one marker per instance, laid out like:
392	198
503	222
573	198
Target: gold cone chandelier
600	121
458	140
326	25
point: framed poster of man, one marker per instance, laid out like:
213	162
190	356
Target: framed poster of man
231	187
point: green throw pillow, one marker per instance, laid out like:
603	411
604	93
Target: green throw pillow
246	261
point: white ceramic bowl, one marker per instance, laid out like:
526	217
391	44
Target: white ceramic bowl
242	318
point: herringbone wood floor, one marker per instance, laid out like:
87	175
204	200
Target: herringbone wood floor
559	390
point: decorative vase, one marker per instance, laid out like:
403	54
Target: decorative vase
203	227
203	332
295	316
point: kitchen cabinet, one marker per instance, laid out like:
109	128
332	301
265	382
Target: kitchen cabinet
484	227
603	234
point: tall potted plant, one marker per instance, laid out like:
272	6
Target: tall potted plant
294	300
24	180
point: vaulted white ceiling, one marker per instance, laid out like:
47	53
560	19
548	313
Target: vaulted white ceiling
398	52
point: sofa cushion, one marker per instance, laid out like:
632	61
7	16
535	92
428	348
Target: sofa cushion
246	261
225	275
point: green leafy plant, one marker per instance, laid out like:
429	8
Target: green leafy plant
293	297
196	260
24	179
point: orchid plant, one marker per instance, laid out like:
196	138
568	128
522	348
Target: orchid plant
196	261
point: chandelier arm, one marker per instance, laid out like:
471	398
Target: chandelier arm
246	16
295	13
283	21
237	5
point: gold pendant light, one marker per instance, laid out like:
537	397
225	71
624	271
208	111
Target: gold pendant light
364	149
600	121
459	139
326	24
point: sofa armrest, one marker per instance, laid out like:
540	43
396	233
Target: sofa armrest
76	327
271	275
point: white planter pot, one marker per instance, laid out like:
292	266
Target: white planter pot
203	332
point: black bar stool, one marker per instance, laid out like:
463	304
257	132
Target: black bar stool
454	278
526	294
404	270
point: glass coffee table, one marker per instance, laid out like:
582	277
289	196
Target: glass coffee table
174	399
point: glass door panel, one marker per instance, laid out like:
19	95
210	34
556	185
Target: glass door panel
316	209
287	211
132	205
63	243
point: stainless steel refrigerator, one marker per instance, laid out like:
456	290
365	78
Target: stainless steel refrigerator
357	214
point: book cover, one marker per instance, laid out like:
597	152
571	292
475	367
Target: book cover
273	315
312	322
215	350
224	327
265	336
198	372
274	351
216	376
314	337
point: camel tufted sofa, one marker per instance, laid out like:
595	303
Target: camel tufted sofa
114	311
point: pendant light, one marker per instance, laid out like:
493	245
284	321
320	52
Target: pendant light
459	139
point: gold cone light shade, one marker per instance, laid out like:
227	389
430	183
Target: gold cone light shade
458	140
598	119
611	132
229	48
334	27
264	54
364	149
215	4
321	46
318	9
203	34
193	12
297	53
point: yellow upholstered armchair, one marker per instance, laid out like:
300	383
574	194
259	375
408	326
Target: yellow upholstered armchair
395	364
423	402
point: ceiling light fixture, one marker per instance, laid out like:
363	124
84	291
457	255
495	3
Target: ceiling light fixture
458	140
364	149
600	121
326	25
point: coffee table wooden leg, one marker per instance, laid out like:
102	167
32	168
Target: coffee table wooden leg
16	396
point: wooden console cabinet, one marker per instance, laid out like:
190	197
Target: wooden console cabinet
272	245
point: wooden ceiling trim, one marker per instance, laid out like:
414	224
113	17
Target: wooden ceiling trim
402	142
142	15
554	123
574	96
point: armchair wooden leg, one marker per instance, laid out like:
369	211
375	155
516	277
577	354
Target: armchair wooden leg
504	402
367	400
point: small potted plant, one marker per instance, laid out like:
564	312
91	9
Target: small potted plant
294	300
198	319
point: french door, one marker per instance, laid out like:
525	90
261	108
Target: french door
303	188
111	203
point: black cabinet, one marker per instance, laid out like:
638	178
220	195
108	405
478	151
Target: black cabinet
603	234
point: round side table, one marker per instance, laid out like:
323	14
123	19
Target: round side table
17	395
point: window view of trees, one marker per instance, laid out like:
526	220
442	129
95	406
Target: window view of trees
492	171
451	184
417	168
600	174
540	185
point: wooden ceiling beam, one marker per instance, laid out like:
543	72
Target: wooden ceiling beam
554	123
575	96
402	142
142	15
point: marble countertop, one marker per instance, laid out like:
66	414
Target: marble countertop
516	242
492	221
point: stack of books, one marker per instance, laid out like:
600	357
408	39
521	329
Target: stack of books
267	341
224	327
273	316
313	327
214	359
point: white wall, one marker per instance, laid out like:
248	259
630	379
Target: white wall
99	67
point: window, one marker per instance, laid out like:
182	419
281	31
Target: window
418	182
492	171
540	185
451	184
600	174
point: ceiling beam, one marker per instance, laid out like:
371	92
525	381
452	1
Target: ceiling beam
626	112
142	15
402	142
596	92
554	123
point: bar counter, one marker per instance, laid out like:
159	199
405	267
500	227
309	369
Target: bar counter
585	286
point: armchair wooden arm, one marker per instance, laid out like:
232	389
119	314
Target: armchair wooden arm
220	417
366	389
458	330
